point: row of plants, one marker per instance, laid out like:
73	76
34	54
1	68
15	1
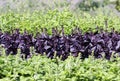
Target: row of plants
35	21
101	43
40	68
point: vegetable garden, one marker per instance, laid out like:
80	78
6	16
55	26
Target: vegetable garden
59	46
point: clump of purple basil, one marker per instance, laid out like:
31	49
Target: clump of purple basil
61	45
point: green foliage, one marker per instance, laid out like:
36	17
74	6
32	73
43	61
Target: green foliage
40	68
118	5
33	22
87	5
